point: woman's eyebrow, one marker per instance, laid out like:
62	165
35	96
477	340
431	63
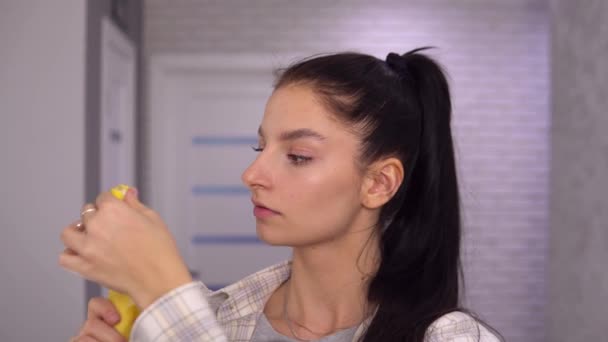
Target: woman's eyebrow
296	134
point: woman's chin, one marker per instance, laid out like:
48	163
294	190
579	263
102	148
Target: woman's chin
276	236
267	235
270	235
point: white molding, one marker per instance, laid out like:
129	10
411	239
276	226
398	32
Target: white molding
117	107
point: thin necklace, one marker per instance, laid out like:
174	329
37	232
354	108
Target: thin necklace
289	322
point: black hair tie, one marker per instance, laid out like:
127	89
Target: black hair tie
397	63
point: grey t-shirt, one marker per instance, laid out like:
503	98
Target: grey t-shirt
264	332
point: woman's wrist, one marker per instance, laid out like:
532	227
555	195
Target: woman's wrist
157	288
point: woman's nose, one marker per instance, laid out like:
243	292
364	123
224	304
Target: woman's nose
254	175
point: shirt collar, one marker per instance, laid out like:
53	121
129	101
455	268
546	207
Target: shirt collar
249	295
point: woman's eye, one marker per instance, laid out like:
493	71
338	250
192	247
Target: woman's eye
298	160
295	159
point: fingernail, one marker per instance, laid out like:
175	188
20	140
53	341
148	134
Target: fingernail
133	192
113	317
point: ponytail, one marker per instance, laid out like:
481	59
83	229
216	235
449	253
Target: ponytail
417	280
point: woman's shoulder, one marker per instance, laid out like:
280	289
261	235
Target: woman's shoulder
458	326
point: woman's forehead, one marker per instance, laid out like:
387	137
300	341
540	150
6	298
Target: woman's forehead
296	108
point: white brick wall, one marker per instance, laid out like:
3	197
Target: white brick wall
496	53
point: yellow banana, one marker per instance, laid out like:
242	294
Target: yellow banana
124	304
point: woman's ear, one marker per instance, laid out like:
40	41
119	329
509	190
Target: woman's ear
381	182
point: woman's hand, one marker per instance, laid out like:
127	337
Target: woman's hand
99	326
125	246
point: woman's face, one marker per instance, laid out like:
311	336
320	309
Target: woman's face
305	173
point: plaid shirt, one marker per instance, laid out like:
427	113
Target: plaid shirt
192	312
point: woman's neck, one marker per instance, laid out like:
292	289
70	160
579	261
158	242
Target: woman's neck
327	290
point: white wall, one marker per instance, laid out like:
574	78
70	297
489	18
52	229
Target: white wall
42	57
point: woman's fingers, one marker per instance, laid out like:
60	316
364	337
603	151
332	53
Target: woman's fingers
72	261
69	251
99	326
102	308
84	339
87	212
71	257
98	330
130	198
104	199
73	238
133	201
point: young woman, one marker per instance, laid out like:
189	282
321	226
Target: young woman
356	173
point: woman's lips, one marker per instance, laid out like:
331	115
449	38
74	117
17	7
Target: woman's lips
263	212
